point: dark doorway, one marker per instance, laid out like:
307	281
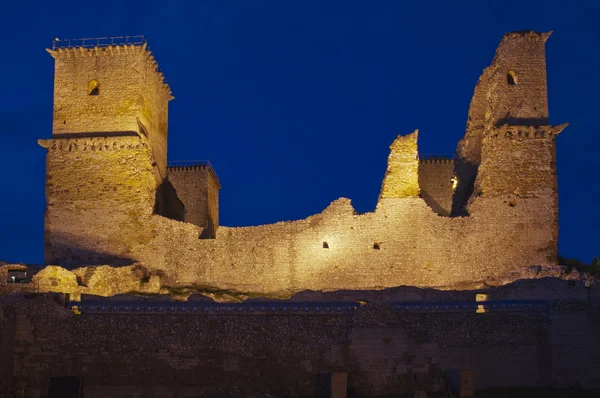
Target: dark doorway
64	387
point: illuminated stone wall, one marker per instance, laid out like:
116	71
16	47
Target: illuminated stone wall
385	352
402	243
402	176
436	181
101	205
100	193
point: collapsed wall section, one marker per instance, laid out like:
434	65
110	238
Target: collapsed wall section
402	175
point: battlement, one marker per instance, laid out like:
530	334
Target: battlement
197	187
111	86
528	35
89	48
95	143
179	167
435	159
526	132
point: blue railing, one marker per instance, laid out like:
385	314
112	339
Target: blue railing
98	42
157	307
472	306
167	307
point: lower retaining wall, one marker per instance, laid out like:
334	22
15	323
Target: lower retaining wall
384	348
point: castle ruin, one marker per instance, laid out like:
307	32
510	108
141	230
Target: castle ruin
112	198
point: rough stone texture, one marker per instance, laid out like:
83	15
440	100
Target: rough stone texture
99	191
101	205
132	97
435	180
402	176
198	187
496	102
110	281
384	352
416	247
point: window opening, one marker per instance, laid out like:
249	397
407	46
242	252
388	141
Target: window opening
511	76
93	87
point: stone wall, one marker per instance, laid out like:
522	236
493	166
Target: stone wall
99	192
402	175
402	243
132	95
384	351
102	213
520	161
436	183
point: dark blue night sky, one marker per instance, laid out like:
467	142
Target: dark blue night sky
295	103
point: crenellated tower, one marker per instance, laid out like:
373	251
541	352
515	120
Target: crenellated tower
108	152
109	91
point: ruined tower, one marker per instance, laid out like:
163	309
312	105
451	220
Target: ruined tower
107	155
508	151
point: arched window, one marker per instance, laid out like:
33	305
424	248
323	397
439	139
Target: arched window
93	87
511	76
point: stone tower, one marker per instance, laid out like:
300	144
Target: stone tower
107	155
111	91
508	151
197	187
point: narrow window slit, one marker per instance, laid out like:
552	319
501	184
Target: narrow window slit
511	76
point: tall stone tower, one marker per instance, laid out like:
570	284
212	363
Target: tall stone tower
512	91
508	152
108	151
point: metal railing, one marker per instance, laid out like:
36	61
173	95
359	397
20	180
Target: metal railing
146	306
98	42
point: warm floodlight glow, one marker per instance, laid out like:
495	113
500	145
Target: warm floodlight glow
481	298
454	181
